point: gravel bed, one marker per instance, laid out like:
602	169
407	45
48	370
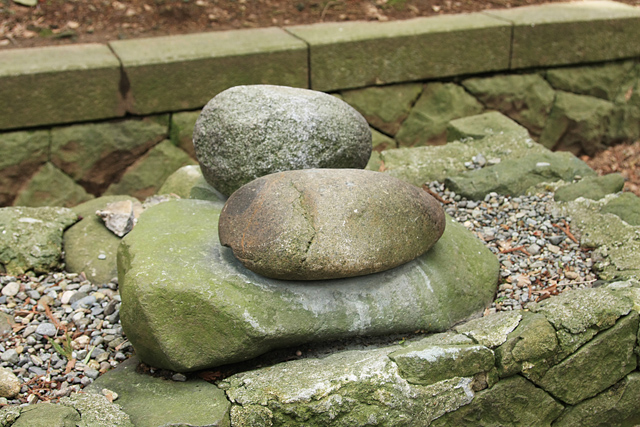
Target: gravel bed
533	242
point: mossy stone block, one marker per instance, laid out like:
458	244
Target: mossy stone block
482	125
593	187
601	81
49	186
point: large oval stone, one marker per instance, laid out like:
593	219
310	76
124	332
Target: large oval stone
250	131
318	224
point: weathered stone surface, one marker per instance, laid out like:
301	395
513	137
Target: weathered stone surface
49	186
602	81
96	410
47	415
513	401
574	324
616	406
228	313
385	108
577	123
423	164
89	246
515	176
599	364
189	183
143	178
317	224
626	206
529	348
120	216
21	155
380	141
491	331
97	154
437	106
591	187
526	98
198	66
482	125
182	125
617	252
352	388
31	238
9	384
425	363
624	123
152	402
250	131
358	54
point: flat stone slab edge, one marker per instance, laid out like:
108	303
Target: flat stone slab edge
96	81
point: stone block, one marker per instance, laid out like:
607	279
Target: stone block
525	98
591	187
47	414
184	72
602	81
491	331
143	178
385	108
49	186
21	155
189	183
571	33
58	84
482	125
437	106
356	54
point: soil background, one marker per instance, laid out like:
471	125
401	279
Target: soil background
31	23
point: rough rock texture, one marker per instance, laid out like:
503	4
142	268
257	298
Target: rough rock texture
49	186
97	411
513	401
423	164
21	155
625	206
47	415
9	384
347	389
317	224
616	406
526	98
182	125
228	313
617	248
89	246
491	331
482	125
591	187
249	131
31	238
120	216
143	178
152	402
515	176
602	81
577	123
189	183
96	154
385	108
437	106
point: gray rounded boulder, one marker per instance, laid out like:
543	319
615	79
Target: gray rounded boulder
316	224
250	131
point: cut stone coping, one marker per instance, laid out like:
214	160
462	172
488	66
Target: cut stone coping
91	80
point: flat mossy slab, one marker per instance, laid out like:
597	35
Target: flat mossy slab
593	187
482	125
152	402
424	164
189	183
352	388
512	402
188	304
491	331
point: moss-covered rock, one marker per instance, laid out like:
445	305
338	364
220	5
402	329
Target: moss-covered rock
601	81
21	155
482	125
182	125
591	187
47	415
216	311
189	183
491	331
51	187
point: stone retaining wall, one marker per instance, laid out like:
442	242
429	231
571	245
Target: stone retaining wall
568	72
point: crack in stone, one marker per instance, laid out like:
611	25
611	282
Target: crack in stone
305	206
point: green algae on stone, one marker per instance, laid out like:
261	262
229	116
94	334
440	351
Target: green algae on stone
151	402
189	183
96	411
188	304
513	401
626	206
513	177
591	187
616	406
491	331
601	81
385	108
31	238
182	125
380	141
437	106
525	98
346	389
482	125
424	164
597	365
51	187
47	415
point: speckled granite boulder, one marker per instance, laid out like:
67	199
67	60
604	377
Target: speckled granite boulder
249	131
319	224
